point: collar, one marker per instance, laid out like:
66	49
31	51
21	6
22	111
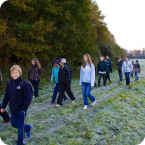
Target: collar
18	79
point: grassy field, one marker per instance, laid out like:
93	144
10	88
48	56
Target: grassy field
116	119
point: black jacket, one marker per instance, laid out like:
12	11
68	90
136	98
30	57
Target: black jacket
109	64
13	95
64	77
119	64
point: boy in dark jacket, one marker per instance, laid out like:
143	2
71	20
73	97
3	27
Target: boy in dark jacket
136	70
119	63
110	68
18	103
102	69
64	80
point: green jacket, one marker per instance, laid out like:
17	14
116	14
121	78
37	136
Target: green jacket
102	66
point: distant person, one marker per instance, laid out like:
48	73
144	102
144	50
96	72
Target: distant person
102	69
34	75
136	70
5	115
18	103
110	68
54	76
119	63
132	73
87	77
127	68
64	80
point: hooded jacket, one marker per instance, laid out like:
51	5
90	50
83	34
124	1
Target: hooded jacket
64	77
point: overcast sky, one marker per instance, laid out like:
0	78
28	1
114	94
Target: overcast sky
126	20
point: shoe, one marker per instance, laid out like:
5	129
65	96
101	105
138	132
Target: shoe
85	107
98	86
94	102
57	105
73	101
28	134
52	102
120	82
6	123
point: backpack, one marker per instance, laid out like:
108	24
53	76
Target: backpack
22	87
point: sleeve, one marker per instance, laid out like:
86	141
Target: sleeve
111	66
68	79
6	97
92	75
40	73
81	76
52	76
27	96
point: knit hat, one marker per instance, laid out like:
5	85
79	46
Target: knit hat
136	60
63	60
56	61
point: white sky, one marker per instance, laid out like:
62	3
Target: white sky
126	21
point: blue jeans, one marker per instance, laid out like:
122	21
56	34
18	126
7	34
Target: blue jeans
127	76
56	90
35	85
120	75
136	76
18	121
86	89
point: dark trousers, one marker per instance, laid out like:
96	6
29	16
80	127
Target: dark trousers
62	89
5	115
127	76
56	90
35	85
120	75
108	76
18	121
104	79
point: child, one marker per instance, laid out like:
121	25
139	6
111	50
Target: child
132	73
18	103
34	75
6	117
64	80
102	70
55	71
136	70
87	77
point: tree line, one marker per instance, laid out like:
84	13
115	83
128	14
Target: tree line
52	29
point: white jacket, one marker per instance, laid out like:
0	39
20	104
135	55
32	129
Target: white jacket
127	66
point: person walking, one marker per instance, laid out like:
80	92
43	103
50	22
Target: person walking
119	63
34	75
127	68
102	69
136	70
87	77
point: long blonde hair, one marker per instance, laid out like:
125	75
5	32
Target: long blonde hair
36	62
89	60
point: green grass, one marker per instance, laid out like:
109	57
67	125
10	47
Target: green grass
116	119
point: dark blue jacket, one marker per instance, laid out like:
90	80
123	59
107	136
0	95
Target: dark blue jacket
109	64
13	95
64	77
